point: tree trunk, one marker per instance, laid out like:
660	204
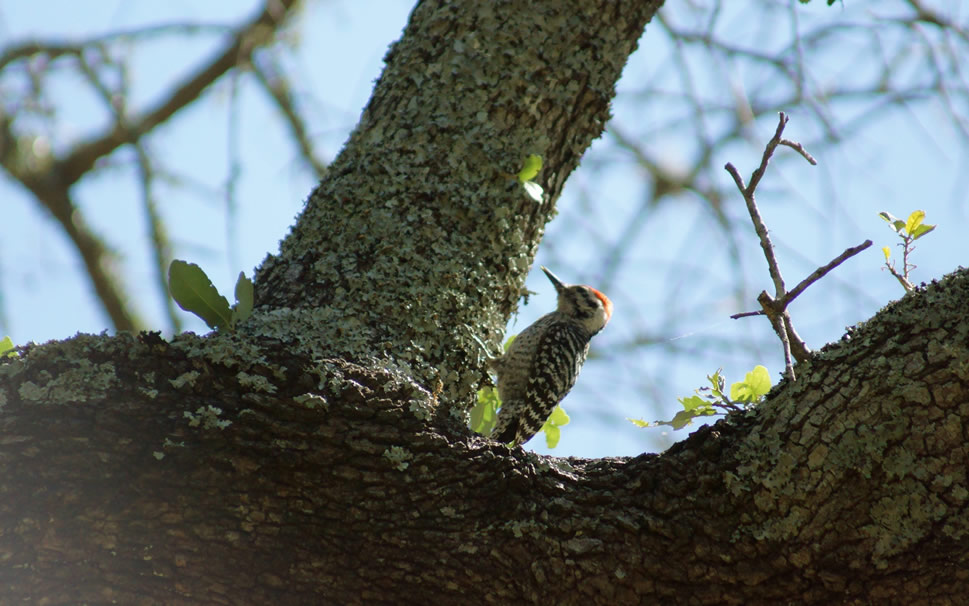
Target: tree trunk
320	453
416	246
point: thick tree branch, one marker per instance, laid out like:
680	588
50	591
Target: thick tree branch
227	470
303	460
416	217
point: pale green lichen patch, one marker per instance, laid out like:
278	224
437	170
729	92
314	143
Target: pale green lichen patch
231	350
86	381
312	400
421	409
255	382
11	368
398	457
208	417
519	528
332	379
186	379
906	513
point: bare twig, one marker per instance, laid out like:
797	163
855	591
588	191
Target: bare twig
775	308
906	284
748	193
161	247
800	149
819	273
267	73
257	32
779	325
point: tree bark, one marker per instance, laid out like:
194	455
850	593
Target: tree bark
141	471
320	453
416	246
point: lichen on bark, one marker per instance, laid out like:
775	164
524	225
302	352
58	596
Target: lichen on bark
419	238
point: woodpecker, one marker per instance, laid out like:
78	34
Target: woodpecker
542	363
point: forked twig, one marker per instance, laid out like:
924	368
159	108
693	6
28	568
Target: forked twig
775	307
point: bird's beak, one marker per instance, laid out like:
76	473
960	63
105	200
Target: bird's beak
558	284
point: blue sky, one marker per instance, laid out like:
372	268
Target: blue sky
905	160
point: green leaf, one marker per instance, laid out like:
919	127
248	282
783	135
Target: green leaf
194	292
693	403
755	384
897	224
552	435
887	251
508	343
913	222
887	216
530	168
716	384
244	299
921	230
693	407
639	422
484	412
685	417
557	419
6	348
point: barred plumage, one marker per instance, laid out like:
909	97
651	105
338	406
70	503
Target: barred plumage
543	362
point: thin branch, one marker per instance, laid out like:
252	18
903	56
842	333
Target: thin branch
53	49
908	286
161	247
98	259
800	149
799	348
779	328
267	74
51	181
758	173
258	32
819	273
775	308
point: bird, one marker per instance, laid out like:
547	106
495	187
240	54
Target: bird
543	361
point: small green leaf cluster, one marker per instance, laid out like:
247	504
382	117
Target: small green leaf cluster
713	400
909	231
484	414
912	228
557	419
6	348
529	171
194	292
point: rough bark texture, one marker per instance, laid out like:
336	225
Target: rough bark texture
224	471
320	455
420	237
